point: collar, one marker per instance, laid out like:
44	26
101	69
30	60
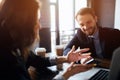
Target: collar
95	35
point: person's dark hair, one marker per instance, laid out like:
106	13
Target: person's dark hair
84	11
18	20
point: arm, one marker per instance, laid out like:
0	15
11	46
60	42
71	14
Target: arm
72	70
76	68
75	41
73	56
37	61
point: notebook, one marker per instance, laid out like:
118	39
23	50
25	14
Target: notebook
113	73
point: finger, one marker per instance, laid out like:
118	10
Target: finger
73	48
83	67
71	65
81	56
79	65
77	50
88	66
83	61
84	50
86	55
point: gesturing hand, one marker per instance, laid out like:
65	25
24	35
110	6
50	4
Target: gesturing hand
73	55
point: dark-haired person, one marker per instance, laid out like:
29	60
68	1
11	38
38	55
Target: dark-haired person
19	30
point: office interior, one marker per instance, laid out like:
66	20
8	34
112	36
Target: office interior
58	24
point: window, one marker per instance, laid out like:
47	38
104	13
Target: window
117	17
66	15
53	1
63	19
67	23
53	24
79	4
52	14
0	1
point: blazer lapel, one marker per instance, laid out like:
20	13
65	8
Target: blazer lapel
102	41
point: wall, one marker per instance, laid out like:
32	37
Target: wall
45	35
105	10
45	14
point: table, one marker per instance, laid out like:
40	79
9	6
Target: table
80	76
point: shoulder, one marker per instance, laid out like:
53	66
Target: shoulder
117	51
79	32
109	30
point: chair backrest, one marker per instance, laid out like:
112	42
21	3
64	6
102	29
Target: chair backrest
115	66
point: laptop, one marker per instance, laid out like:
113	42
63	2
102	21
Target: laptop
113	73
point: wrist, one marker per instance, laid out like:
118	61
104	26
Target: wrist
66	75
61	59
66	59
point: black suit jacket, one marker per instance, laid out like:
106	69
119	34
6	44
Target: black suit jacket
109	41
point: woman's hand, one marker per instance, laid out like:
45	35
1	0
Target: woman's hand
73	55
76	68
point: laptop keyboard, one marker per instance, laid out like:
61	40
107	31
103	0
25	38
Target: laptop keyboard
100	75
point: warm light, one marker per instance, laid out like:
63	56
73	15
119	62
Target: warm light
0	1
53	1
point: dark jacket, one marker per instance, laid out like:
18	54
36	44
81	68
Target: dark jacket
109	41
12	64
14	67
